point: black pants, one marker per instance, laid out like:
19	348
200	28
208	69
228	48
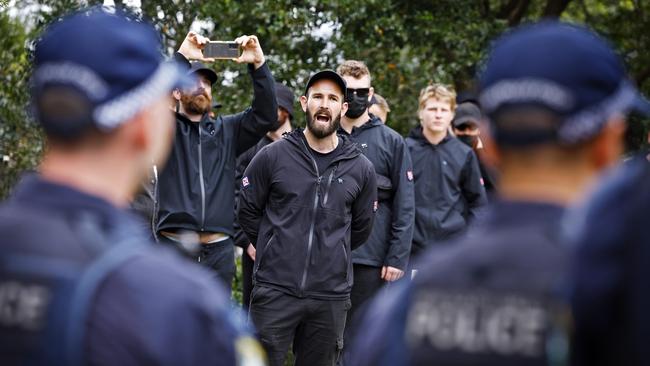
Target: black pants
315	327
247	279
218	257
367	282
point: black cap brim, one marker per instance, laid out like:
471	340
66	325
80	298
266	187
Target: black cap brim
329	75
199	68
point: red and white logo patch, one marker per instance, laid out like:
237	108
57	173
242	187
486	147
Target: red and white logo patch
375	206
245	182
409	175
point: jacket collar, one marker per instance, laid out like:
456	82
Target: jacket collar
417	134
348	148
374	121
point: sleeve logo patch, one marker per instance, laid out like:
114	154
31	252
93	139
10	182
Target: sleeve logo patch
245	182
409	175
375	206
482	182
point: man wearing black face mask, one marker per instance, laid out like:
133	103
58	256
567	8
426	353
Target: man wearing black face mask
466	128
385	255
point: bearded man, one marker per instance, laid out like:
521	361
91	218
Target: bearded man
306	202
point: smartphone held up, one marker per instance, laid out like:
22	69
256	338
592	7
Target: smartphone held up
222	50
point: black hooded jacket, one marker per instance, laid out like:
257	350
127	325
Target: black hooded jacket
390	241
195	187
305	225
448	188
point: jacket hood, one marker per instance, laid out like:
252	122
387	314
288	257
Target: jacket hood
348	149
417	134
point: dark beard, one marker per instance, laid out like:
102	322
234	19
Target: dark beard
196	103
322	132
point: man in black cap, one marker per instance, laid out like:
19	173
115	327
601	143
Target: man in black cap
306	202
466	123
494	297
195	190
80	283
285	100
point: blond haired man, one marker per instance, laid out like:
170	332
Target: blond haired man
448	186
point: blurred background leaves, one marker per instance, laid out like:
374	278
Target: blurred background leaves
406	45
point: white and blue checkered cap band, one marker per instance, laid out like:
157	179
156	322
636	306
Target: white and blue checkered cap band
589	121
575	127
79	76
112	113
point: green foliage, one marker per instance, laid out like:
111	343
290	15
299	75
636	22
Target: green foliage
406	45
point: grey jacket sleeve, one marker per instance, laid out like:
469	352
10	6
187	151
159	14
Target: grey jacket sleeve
253	194
403	208
472	187
364	207
261	117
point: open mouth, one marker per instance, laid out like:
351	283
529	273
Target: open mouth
322	117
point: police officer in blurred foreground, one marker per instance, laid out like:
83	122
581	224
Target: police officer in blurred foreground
79	283
555	95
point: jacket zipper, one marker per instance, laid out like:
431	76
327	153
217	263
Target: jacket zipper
202	184
329	184
258	261
310	241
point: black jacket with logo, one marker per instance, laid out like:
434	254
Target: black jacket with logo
390	241
195	187
448	188
305	225
240	238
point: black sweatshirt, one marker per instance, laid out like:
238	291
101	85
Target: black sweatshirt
448	188
304	225
195	187
390	241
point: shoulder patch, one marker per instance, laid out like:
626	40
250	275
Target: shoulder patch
245	182
409	175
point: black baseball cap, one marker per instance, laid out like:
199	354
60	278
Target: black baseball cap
199	68
330	75
466	112
284	97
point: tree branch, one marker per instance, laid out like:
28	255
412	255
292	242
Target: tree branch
555	8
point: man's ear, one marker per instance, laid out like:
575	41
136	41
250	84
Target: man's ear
176	93
607	147
344	108
303	103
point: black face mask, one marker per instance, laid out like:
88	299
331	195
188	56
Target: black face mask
357	102
468	140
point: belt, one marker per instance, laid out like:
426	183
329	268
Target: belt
188	235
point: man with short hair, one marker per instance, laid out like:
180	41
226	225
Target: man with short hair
384	257
448	189
80	282
379	107
306	202
285	100
494	297
195	189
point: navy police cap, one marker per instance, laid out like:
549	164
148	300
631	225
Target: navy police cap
564	68
108	59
